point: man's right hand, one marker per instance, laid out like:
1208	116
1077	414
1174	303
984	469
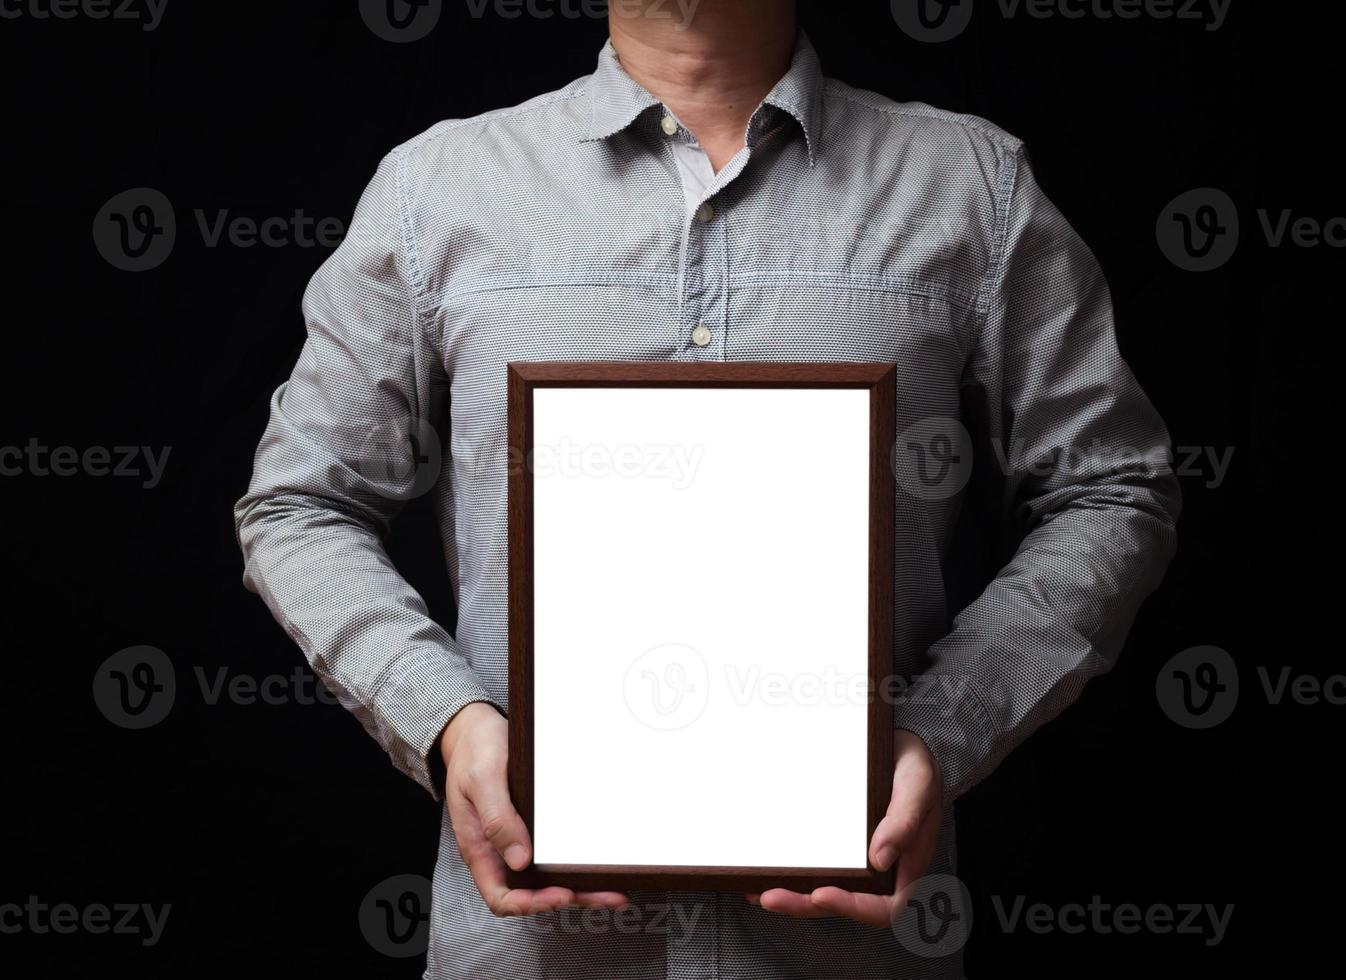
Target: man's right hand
490	832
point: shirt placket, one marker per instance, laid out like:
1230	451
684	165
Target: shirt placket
703	323
692	951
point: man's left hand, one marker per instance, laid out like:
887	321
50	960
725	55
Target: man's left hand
907	835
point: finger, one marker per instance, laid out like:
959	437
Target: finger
914	864
786	902
872	910
895	833
488	792
601	900
488	870
911	809
526	901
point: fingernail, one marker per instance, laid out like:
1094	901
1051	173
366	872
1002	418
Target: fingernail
884	859
516	856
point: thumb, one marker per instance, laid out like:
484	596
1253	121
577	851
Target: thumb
895	834
500	822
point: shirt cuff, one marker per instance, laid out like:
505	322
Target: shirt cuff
946	713
414	706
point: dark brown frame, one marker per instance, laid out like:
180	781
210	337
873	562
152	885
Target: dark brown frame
524	377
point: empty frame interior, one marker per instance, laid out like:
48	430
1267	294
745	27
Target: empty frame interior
701	644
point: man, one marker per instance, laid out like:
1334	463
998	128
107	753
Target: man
705	195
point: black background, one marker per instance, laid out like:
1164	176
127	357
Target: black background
264	826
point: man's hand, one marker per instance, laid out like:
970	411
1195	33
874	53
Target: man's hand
490	832
907	835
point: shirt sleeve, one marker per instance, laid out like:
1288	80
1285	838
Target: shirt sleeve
1088	472
345	448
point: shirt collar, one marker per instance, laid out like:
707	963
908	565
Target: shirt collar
616	99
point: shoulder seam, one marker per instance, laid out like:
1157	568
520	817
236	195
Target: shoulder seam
415	272
1002	139
997	267
449	125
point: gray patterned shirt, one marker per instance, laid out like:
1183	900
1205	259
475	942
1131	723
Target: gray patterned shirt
850	227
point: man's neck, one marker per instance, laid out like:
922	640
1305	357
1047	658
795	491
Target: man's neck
713	71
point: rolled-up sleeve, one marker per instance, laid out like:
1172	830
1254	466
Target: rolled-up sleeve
1087	467
343	451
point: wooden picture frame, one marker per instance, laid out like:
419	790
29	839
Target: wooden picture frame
771	401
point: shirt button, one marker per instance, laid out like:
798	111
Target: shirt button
669	125
705	214
701	335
